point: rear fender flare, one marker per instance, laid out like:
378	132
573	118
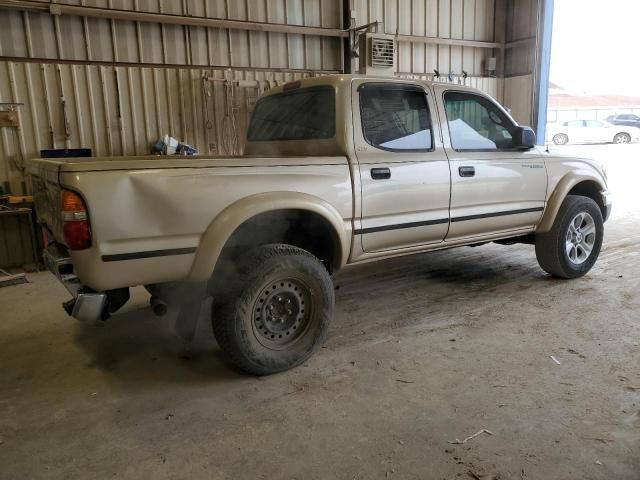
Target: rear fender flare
226	222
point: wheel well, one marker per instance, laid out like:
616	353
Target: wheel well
592	190
301	228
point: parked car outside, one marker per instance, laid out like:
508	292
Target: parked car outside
628	119
591	131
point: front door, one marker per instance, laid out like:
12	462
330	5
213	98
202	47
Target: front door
494	188
404	172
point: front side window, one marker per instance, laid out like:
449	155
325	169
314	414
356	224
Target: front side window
395	117
476	123
594	123
301	114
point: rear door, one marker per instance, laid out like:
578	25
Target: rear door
404	172
494	188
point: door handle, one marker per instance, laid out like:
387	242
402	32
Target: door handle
380	173
467	171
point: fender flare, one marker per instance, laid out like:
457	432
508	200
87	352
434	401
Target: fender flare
558	195
228	220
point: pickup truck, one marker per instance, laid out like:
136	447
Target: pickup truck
338	170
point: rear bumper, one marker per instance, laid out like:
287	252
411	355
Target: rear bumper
607	201
87	306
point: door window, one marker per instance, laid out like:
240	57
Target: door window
476	123
594	123
395	117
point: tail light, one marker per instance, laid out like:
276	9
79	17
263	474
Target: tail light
77	231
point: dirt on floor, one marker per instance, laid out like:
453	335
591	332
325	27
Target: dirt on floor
424	353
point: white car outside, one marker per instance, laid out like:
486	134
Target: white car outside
591	131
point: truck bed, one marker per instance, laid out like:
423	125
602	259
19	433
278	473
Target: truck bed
148	214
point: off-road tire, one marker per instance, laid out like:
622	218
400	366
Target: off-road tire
551	250
239	318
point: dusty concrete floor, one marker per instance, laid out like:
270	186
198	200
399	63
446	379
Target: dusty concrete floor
423	350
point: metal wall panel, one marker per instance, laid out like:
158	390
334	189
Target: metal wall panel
115	86
123	110
455	19
518	97
522	25
38	35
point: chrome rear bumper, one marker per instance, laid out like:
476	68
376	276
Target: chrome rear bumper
87	306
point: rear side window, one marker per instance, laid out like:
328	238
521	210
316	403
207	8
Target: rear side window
302	114
395	117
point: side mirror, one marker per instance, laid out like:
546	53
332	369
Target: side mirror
524	138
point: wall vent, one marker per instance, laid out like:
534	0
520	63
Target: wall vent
382	52
377	54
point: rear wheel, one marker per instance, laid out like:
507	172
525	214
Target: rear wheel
276	311
560	139
622	138
572	246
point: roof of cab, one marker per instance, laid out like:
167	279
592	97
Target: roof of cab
339	80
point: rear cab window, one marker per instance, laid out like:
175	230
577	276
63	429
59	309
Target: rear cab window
299	114
395	117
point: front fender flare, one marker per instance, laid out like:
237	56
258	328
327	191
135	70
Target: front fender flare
558	195
226	222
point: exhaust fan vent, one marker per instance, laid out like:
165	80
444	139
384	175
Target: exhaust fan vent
382	52
377	54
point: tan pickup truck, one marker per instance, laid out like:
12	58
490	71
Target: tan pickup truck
337	170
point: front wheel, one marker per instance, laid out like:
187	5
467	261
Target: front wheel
622	138
276	311
560	139
571	247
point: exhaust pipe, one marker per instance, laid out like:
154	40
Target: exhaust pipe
158	307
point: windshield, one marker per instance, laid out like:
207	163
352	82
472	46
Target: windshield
301	114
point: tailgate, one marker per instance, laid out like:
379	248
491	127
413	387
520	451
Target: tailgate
46	194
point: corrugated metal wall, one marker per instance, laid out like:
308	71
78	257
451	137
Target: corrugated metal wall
36	35
449	19
520	58
117	85
522	24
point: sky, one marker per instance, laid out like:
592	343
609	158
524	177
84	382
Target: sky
596	46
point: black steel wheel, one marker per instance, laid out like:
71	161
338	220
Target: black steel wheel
276	311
